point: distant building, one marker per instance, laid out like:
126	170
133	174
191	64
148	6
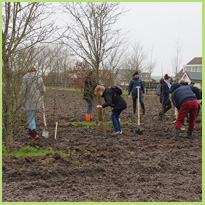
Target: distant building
193	77
192	72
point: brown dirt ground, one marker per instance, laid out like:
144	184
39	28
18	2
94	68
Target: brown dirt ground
129	167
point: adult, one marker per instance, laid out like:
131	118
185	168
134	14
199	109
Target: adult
88	95
115	101
30	97
164	97
184	99
132	88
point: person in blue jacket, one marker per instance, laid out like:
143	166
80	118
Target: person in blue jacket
185	99
132	88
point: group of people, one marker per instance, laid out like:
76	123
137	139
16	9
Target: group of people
186	99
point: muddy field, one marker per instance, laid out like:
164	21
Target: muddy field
129	167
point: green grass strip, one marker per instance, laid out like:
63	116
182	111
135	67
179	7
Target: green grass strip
31	151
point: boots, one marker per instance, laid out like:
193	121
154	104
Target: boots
29	134
176	135
189	133
91	116
34	134
88	117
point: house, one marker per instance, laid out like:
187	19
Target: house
192	72
193	77
195	65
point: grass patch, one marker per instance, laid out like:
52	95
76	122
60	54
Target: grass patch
32	151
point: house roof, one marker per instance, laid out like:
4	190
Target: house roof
194	76
180	73
195	61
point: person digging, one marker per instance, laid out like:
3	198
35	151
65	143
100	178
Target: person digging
185	100
115	101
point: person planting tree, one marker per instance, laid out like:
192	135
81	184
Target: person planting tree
114	100
30	98
185	100
88	95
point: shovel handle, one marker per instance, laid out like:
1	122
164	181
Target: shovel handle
138	104
44	114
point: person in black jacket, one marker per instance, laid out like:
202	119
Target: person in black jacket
89	88
184	99
164	97
115	101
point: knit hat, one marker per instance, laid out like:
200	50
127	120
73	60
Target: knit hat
136	73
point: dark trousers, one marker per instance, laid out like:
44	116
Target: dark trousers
190	107
134	99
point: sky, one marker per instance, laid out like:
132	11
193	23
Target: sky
160	25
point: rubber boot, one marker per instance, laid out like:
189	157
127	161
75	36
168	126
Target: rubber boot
91	116
189	133
176	135
29	133
88	117
34	134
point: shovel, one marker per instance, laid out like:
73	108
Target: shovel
138	130
45	130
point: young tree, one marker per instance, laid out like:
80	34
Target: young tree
24	25
176	61
151	65
136	60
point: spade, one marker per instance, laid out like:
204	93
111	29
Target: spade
138	130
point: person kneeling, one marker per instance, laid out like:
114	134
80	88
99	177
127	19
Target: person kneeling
115	101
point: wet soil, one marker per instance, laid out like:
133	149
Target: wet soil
128	167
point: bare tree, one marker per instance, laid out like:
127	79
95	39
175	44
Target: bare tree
151	65
24	25
135	60
176	61
92	35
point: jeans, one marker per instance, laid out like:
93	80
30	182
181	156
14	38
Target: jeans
115	120
134	99
31	117
89	107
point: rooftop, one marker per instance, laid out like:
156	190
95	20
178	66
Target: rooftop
195	61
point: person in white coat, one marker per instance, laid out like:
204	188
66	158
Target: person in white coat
30	97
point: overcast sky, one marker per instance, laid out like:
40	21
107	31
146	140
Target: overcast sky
160	25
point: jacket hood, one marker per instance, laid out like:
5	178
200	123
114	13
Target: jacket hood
174	87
